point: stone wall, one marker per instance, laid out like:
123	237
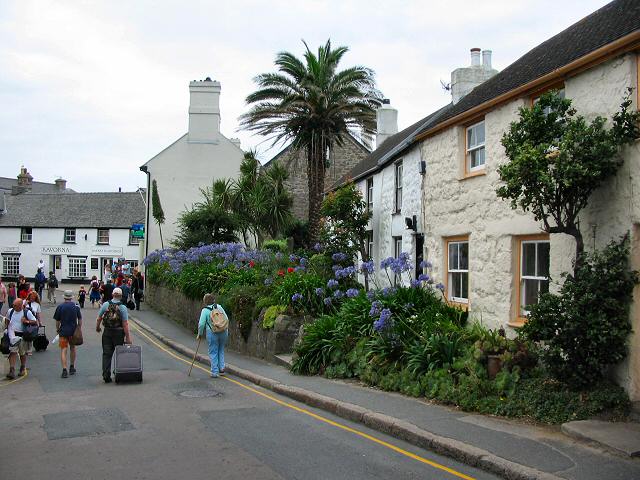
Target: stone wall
261	343
343	159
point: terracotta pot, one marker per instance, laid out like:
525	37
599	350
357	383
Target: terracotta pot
494	365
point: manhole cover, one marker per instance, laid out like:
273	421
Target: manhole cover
200	393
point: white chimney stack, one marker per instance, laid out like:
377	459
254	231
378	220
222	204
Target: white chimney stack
204	111
465	79
387	122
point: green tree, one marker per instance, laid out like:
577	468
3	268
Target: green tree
347	219
313	105
157	212
557	159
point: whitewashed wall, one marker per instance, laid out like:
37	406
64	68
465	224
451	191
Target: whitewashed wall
46	241
456	206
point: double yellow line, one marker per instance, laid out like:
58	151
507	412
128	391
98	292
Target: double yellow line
311	414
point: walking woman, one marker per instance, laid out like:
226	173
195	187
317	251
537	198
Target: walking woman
23	287
216	339
94	291
32	302
137	287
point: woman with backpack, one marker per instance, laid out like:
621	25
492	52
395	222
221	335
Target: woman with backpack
215	323
94	294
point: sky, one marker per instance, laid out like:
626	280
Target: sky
91	90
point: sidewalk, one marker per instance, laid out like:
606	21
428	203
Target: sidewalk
514	450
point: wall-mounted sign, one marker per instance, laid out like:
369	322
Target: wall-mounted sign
106	251
137	230
55	250
10	249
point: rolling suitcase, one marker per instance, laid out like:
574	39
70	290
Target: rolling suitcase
127	363
41	342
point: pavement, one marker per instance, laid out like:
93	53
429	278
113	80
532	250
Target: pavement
510	449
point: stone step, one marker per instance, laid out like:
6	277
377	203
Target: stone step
284	359
634	414
622	437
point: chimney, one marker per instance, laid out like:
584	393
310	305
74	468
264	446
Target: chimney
236	142
24	178
204	111
61	184
465	79
387	118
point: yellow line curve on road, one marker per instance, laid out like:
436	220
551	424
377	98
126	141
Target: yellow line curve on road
311	414
5	383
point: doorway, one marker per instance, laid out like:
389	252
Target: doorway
55	263
419	253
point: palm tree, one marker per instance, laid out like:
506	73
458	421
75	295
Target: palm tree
313	105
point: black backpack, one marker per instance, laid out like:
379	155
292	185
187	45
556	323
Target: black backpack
112	317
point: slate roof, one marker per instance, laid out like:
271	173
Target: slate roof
79	210
609	23
36	187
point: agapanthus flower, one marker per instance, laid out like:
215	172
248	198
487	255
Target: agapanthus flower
376	306
319	291
387	291
387	262
293	258
327	301
303	261
371	294
425	264
335	268
353	292
332	283
339	257
415	283
383	322
296	297
345	272
338	294
367	267
279	256
440	287
423	277
317	247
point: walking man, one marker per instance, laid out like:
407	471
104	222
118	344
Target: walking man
114	317
52	284
68	317
107	291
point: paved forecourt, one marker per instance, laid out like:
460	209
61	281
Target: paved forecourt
174	426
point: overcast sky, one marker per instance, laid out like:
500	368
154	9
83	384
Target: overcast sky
90	90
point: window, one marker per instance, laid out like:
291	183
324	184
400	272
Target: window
69	235
103	236
133	264
397	250
94	263
10	265
458	270
132	239
26	234
370	244
547	110
77	267
398	184
533	272
370	194
475	157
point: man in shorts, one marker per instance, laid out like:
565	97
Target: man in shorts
68	317
114	318
18	317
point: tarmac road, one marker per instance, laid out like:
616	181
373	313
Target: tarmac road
177	427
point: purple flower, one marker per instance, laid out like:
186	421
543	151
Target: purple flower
338	294
367	267
293	258
299	268
296	297
345	272
335	268
388	291
440	287
425	264
387	262
279	256
303	261
319	291
423	277
332	283
327	301
415	283
339	257
371	294
383	322
353	292
317	247
375	308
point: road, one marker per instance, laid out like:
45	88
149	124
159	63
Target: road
177	427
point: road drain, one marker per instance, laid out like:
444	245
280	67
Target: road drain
200	393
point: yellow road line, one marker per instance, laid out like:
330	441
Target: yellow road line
4	384
313	415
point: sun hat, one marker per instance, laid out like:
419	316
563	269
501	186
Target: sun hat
68	294
117	291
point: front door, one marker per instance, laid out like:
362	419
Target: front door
55	263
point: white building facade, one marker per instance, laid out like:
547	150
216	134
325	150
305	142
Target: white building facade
191	163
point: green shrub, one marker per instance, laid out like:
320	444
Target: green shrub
271	314
303	284
241	301
313	354
585	327
276	246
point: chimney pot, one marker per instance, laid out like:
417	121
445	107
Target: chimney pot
61	184
387	122
475	57
486	58
465	79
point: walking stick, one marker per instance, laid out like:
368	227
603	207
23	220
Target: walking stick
194	356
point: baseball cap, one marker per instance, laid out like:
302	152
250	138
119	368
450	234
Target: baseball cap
117	291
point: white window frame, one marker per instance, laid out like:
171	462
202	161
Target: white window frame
134	240
370	194
101	241
458	270
399	178
539	278
77	267
397	250
26	236
10	265
370	244
469	149
70	235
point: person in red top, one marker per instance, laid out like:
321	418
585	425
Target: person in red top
23	287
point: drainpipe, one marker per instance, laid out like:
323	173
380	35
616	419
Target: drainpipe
144	169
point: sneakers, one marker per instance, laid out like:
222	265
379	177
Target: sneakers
214	375
222	373
12	374
107	379
64	373
72	370
23	371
